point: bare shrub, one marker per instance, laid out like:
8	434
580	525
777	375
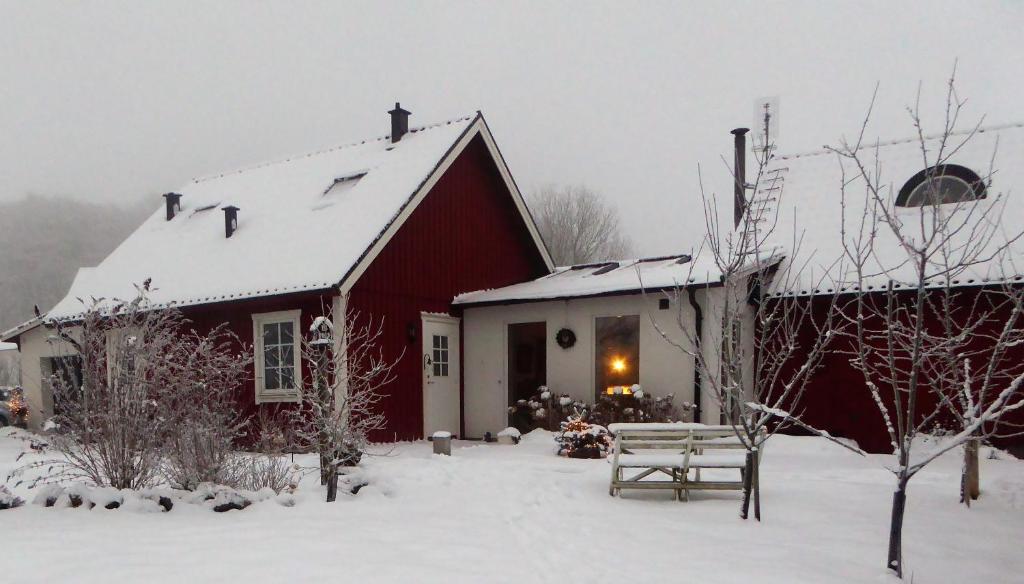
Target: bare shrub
145	383
269	466
201	410
264	471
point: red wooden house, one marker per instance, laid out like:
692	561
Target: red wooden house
393	228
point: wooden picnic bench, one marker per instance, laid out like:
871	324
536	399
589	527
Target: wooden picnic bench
673	450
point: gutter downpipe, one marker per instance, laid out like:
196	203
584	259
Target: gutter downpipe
698	317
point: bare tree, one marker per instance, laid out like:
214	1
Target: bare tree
755	356
342	407
578	226
144	382
930	349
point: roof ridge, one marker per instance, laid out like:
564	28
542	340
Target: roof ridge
202	179
980	130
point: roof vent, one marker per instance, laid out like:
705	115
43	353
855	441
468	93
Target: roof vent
605	268
173	202
230	220
399	122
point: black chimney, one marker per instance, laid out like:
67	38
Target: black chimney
173	201
739	201
230	220
399	123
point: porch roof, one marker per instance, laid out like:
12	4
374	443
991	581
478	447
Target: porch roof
631	276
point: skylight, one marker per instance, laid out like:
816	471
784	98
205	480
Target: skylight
344	183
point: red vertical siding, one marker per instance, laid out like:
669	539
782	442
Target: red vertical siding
837	401
465	235
238	318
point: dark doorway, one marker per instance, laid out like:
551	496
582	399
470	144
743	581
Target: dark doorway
527	367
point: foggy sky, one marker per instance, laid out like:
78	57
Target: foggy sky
116	101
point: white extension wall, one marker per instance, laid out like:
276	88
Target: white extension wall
664	369
36	344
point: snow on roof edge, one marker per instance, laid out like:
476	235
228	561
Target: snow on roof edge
322	151
979	130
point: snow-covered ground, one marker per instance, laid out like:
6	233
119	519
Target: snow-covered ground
496	513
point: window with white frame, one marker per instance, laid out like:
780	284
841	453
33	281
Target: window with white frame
276	337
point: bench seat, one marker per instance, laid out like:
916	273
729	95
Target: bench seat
651	460
718	460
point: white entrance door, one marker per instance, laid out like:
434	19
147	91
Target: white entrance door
440	374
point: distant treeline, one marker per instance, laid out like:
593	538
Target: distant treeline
44	240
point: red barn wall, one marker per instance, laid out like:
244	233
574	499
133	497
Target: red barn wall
465	235
837	401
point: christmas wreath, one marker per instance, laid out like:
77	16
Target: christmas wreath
565	338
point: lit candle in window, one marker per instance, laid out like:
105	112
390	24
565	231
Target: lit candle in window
618	364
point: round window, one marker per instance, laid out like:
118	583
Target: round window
938	185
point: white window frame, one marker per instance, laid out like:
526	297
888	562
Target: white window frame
263	395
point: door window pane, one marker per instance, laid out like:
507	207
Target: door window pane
440	355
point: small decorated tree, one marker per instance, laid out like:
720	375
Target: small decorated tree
578	438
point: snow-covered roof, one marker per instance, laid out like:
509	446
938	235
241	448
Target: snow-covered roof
603	278
810	205
8	347
305	223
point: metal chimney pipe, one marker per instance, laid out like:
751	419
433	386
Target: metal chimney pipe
739	202
399	123
230	220
172	200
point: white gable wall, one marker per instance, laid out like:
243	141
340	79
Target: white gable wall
664	368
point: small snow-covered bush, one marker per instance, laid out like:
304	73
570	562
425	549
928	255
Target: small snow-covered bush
47	495
578	438
639	406
547	410
544	409
511	435
9	500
